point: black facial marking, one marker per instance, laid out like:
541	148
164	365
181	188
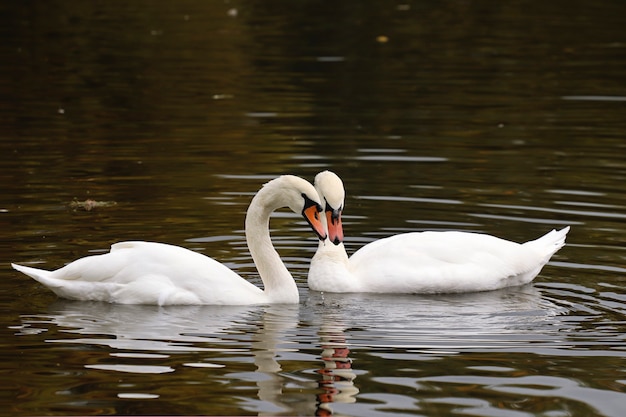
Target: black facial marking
308	203
334	214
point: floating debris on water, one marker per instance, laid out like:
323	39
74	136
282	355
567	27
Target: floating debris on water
90	204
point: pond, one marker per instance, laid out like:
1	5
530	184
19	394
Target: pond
504	118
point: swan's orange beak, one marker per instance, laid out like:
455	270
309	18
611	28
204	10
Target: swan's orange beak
312	215
335	229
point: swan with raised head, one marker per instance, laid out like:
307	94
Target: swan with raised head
161	274
421	262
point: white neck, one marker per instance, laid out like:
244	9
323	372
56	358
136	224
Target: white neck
338	252
330	268
280	286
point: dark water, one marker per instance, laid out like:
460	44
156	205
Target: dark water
501	117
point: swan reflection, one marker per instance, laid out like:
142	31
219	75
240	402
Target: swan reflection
336	377
450	322
277	359
139	327
188	340
421	329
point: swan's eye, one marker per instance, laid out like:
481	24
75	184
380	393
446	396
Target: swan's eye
309	203
332	210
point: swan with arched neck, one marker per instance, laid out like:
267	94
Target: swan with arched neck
156	273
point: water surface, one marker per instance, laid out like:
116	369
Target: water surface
503	118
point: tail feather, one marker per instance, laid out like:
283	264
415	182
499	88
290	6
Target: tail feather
549	243
71	289
40	275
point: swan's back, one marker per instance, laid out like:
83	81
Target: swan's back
448	262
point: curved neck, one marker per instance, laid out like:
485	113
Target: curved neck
280	286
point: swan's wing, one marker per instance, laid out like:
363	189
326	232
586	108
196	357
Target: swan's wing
150	273
128	260
442	262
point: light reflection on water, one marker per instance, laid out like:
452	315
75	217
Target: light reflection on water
333	347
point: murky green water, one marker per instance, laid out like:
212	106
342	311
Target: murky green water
500	117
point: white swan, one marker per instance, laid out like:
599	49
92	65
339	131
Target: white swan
421	262
157	273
